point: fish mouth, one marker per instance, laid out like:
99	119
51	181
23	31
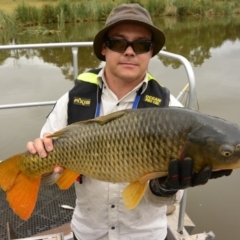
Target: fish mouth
226	166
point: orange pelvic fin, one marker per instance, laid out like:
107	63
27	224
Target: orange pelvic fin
9	171
22	196
133	194
67	178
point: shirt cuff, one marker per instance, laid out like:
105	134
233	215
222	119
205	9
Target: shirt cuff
159	201
50	179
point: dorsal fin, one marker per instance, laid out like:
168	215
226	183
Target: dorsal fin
107	118
100	120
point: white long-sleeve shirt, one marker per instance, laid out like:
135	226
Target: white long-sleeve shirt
100	213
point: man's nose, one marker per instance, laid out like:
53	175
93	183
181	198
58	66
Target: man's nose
129	51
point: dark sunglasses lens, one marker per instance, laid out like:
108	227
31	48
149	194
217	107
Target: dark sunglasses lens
117	45
120	45
141	46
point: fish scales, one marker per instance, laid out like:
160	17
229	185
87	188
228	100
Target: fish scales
122	150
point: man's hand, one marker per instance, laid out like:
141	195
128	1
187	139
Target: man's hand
42	146
181	176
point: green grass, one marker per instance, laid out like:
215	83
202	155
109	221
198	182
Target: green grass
204	7
35	13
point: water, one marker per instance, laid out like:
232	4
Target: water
211	45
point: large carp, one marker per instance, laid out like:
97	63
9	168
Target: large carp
127	146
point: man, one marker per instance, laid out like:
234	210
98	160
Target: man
127	43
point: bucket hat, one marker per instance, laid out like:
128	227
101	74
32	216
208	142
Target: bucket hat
128	13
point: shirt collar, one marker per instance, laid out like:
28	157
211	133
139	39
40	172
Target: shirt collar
102	80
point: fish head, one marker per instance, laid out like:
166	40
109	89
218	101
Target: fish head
217	145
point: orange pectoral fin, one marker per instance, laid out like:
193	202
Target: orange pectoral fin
133	194
67	178
22	196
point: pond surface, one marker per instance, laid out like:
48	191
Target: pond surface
212	45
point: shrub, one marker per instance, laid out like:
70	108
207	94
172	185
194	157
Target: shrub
156	7
48	14
26	14
63	9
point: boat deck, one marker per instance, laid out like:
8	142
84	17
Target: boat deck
48	214
64	229
49	220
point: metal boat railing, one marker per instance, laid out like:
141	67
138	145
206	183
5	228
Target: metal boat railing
74	46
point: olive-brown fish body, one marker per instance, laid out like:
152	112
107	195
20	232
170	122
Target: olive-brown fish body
139	142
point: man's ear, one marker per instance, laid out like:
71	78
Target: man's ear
103	51
151	51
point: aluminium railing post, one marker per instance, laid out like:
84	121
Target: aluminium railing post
181	213
75	61
191	102
190	74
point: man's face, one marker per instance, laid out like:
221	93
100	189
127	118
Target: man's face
127	66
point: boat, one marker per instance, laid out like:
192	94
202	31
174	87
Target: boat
52	215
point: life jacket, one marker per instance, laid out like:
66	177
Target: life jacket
84	96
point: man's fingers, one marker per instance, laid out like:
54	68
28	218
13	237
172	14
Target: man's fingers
173	174
31	148
203	176
186	172
41	146
37	147
221	173
47	142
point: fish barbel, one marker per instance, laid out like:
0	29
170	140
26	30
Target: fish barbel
127	146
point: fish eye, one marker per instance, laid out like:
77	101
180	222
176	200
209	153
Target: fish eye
238	147
227	150
226	153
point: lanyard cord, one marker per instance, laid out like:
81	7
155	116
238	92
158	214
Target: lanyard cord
137	98
99	94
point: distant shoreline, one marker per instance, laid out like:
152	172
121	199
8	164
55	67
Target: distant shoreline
15	14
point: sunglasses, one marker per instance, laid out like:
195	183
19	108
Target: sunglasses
120	45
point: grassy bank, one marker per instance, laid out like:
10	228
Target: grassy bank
17	13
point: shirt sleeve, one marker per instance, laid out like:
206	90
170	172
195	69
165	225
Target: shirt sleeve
57	118
50	179
162	201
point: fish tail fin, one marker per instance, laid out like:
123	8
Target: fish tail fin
9	171
133	194
67	178
22	197
21	191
